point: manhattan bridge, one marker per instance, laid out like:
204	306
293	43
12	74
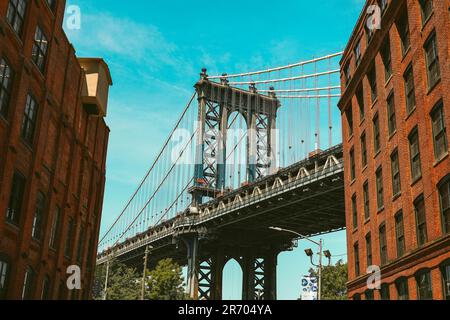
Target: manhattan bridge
250	151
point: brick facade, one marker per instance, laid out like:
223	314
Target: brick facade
65	162
432	257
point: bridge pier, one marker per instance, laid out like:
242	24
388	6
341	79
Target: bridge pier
259	276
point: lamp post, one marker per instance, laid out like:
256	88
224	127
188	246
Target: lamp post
310	254
144	273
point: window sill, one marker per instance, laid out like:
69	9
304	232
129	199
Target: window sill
405	54
361	121
364	168
425	23
395	197
355	230
13	226
431	88
392	135
352	182
374	102
410	113
366	221
439	161
376	154
26	144
416	180
388	80
350	138
380	210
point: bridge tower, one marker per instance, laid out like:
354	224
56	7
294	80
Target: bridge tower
216	102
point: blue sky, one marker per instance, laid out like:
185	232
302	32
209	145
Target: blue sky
156	49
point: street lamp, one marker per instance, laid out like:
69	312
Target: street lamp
310	253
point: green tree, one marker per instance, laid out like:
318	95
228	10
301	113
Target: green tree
334	279
165	282
123	282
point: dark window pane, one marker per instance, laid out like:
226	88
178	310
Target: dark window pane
360	98
402	289
386	57
380	188
16	14
69	236
355	212
400	234
384	292
29	120
432	58
395	168
383	245
414	151
352	165
410	90
403	30
363	150
424	289
40	48
4	277
6	77
421	221
28	284
392	123
369	250
55	231
439	131
38	217
366	201
444	195
445	269
376	134
372	77
357	264
45	289
426	7
13	211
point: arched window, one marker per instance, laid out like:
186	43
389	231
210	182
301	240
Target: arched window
5	268
384	292
445	270
369	295
402	288
424	286
444	198
357	296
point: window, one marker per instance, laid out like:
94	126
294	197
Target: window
400	234
369	250
426	7
357	51
369	295
28	283
347	73
51	4
363	150
4	277
54	233
45	295
29	120
360	98
355	212
402	289
439	131
357	297
414	153
349	115
376	135
16	14
403	30
408	77
432	58
386	57
383	5
424	288
38	217
366	201
444	195
392	123
383	245
445	270
13	212
372	77
380	189
6	76
81	245
40	48
352	165
357	265
69	236
370	31
395	170
384	292
421	221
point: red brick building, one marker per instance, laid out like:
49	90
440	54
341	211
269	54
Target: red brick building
396	129
53	142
